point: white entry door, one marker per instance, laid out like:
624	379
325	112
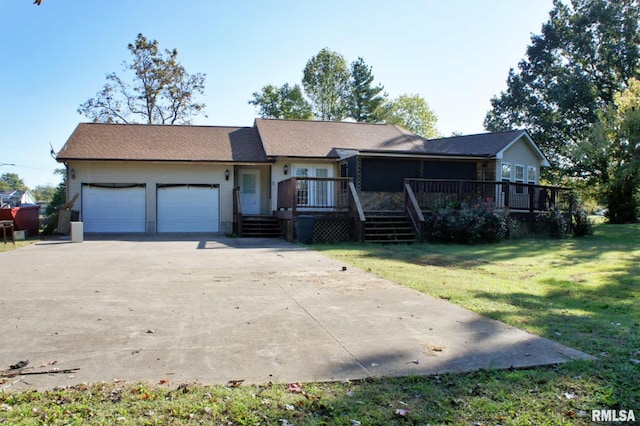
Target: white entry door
250	191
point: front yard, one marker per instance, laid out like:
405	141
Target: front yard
580	292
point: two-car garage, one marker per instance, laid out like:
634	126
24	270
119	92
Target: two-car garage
115	208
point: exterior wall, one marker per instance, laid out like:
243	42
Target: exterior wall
520	153
151	174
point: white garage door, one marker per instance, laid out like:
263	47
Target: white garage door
188	208
119	208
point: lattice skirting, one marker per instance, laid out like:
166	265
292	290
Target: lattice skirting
324	230
332	230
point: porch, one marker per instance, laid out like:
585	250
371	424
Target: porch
337	206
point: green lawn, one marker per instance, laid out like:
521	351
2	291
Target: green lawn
10	246
579	292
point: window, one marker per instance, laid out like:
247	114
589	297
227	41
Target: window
506	171
519	169
314	193
519	173
531	174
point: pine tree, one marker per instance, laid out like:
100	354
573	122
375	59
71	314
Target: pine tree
364	98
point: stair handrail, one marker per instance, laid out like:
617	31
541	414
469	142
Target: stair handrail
412	208
357	211
237	210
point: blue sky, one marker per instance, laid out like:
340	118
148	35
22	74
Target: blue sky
455	53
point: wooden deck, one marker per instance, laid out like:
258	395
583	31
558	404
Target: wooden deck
342	212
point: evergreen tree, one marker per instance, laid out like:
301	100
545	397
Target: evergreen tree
364	98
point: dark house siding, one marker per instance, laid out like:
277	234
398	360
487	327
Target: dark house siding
449	170
387	175
349	167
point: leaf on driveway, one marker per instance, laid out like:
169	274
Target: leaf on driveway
20	364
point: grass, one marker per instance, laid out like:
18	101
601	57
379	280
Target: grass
8	246
579	292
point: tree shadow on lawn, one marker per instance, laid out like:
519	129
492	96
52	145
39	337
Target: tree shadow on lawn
592	306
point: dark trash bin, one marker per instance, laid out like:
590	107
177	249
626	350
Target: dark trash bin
304	229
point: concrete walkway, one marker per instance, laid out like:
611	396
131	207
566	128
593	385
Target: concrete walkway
212	309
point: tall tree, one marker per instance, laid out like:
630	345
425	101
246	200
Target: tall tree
43	193
162	91
282	102
326	83
587	51
411	112
609	159
364	98
11	181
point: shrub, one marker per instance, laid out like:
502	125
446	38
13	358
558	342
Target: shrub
552	222
468	224
581	224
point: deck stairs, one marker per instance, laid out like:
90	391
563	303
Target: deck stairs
388	227
254	226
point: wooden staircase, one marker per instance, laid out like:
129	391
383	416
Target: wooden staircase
260	227
388	227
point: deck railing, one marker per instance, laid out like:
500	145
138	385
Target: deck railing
314	194
434	194
412	208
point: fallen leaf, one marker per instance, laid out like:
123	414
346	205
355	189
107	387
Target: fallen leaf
235	383
164	381
295	387
403	412
20	364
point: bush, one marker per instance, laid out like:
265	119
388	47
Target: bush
552	222
581	224
468	224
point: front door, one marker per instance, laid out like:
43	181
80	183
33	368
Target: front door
250	191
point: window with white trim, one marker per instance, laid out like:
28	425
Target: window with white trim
519	171
531	174
314	193
505	171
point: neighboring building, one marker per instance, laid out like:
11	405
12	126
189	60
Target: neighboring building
159	178
13	198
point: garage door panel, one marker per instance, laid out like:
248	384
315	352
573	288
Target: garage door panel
188	208
113	209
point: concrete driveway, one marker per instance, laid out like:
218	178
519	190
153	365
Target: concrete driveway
212	309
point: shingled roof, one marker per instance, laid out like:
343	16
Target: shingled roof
305	138
483	144
270	138
141	142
